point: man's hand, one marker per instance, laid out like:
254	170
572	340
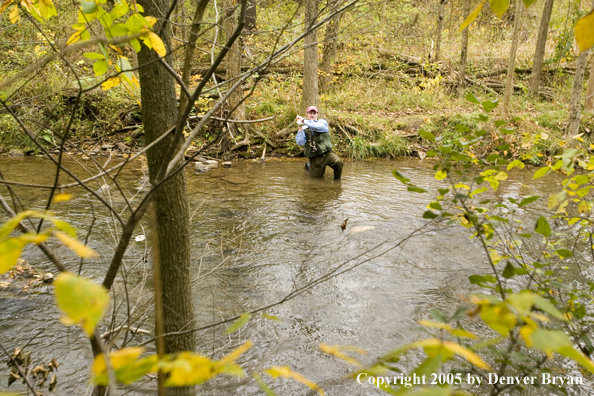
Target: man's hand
299	120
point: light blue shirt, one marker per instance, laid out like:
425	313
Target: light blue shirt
319	126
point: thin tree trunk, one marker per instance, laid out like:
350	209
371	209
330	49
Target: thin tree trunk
251	15
541	43
509	82
329	51
310	58
440	16
575	103
234	65
589	106
464	50
189	54
159	113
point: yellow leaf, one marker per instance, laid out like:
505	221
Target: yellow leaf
82	300
14	15
128	368
428	323
10	251
335	351
5	5
472	16
151	20
75	37
501	176
74	245
112	82
157	44
286	372
230	358
440	175
188	369
467	354
584	31
62	198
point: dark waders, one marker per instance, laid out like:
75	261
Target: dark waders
317	165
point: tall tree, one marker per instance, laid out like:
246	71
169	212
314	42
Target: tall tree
589	105
159	114
575	103
251	15
509	81
540	46
310	58
440	17
329	51
233	63
464	50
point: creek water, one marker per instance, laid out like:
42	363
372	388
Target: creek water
265	232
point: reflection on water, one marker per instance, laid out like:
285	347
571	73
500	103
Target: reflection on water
260	232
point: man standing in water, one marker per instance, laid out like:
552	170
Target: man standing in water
313	135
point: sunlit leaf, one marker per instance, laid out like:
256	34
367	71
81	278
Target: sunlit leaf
440	175
516	163
527	200
75	37
64	197
74	245
82	300
157	44
472	357
499	7
541	172
336	351
286	372
584	31
100	67
112	82
10	251
118	11
546	306
128	368
232	357
471	17
5	5
14	15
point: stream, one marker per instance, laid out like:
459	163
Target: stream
270	231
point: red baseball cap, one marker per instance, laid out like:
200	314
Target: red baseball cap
312	108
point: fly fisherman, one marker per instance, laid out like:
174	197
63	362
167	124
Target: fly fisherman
314	137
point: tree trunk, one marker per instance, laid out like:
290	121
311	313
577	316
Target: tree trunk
189	54
329	52
575	103
541	43
233	66
464	50
440	16
159	113
310	58
251	15
509	82
590	91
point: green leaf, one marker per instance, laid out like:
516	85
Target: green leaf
509	270
100	67
527	200
427	135
135	44
118	11
416	189
480	280
582	179
541	172
528	3
489	105
542	227
471	17
462	128
470	97
93	55
564	253
88	7
430	365
507	131
239	323
499	7
435	205
429	215
400	176
82	300
119	29
438	315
